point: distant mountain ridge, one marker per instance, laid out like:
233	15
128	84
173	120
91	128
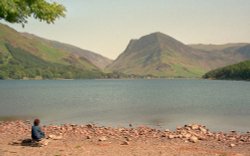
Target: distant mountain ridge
97	59
160	55
28	56
217	47
24	55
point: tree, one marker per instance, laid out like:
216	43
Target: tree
18	11
3	75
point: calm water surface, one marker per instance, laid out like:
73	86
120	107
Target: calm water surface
221	105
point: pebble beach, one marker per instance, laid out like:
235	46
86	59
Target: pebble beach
71	139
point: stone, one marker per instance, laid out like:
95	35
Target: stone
171	136
88	137
202	129
103	138
187	135
90	126
54	137
210	134
43	142
163	135
128	139
232	145
125	143
232	138
193	139
179	136
178	128
195	127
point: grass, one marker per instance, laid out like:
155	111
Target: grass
27	57
51	54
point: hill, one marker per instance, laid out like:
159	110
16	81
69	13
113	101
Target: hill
96	59
28	56
217	47
239	71
24	55
160	55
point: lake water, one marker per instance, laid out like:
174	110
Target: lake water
220	105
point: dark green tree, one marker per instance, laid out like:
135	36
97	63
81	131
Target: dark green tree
18	11
3	75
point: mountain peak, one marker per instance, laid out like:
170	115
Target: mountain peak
158	40
158	35
161	55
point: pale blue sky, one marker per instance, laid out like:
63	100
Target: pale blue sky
106	26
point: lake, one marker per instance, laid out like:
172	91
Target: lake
220	105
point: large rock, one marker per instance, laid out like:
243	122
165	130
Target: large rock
187	135
171	136
195	126
103	138
203	130
193	139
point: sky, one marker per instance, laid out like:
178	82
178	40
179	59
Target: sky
107	26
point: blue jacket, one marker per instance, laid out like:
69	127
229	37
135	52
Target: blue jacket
37	133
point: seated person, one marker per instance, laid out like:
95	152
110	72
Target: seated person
37	134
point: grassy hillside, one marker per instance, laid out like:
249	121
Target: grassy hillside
239	71
24	57
163	56
96	59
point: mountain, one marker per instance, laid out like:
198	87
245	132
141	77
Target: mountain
217	47
25	55
97	59
28	56
239	71
230	53
160	55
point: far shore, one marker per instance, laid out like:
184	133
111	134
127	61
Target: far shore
72	139
162	78
153	78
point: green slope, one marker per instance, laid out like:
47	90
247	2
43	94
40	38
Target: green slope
239	71
160	55
24	57
96	59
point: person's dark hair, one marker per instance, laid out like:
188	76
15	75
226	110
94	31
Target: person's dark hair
36	122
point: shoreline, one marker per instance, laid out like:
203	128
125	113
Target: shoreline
167	78
238	129
107	79
192	139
